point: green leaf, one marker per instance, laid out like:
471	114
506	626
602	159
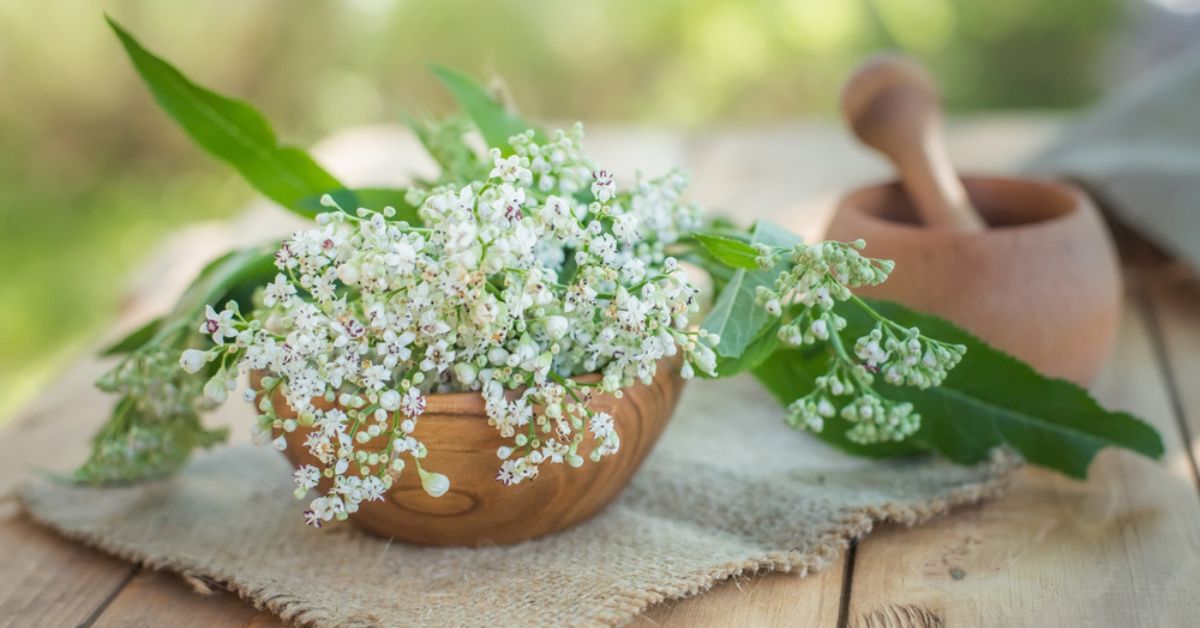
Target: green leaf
735	316
370	198
231	130
992	398
495	123
728	251
788	374
134	445
249	266
446	142
134	339
759	350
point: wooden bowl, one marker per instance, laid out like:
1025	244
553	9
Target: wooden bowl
1041	283
478	509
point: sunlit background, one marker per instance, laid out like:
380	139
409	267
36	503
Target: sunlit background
92	173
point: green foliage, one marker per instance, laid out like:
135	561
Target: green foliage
150	432
231	130
764	345
992	398
220	279
788	374
989	399
135	446
445	141
134	339
735	316
494	122
729	251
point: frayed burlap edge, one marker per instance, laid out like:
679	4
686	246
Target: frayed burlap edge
855	523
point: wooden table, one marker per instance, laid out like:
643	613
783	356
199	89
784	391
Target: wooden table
1121	549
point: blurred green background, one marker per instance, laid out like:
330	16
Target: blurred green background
91	173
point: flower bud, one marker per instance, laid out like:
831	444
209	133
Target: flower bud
390	400
497	356
435	484
465	372
193	360
348	274
556	326
215	391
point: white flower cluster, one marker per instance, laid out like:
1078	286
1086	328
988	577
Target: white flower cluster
540	272
819	276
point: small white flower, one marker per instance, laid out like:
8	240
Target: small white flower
413	403
437	357
218	325
374	377
307	476
510	170
601	425
603	186
279	292
625	227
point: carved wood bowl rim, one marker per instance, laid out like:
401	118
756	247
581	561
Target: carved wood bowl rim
469	409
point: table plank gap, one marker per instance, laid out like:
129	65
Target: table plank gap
50	581
91	620
1173	309
847	585
1120	549
772	599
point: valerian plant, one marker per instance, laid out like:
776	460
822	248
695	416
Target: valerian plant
517	269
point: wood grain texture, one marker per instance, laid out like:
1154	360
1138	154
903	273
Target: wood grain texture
1122	549
1042	283
46	580
1175	308
478	509
775	599
154	598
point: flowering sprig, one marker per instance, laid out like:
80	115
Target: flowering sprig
811	280
539	271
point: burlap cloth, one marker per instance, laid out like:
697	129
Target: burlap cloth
730	490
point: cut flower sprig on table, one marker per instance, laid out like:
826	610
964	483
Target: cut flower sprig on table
517	270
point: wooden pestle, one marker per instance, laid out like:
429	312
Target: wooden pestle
892	105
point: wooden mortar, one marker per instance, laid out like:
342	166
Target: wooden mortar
1027	265
478	509
1041	282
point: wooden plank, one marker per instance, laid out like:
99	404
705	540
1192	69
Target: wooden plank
1121	549
775	599
155	598
1175	309
48	581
